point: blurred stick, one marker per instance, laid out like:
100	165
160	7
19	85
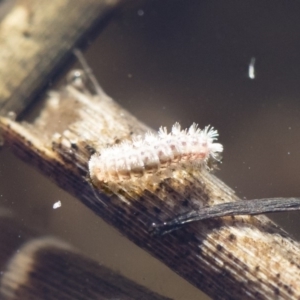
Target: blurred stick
37	38
48	268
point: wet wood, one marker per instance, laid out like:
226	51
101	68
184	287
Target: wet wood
227	258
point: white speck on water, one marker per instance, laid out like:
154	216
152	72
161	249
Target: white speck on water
251	69
57	204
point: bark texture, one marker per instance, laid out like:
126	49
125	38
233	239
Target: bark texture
228	258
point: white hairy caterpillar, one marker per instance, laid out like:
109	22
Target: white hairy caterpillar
155	152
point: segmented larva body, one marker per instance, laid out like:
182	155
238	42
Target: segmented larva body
155	152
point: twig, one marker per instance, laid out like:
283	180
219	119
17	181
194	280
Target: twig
228	258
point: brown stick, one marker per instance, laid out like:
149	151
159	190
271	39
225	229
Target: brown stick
229	258
37	38
48	268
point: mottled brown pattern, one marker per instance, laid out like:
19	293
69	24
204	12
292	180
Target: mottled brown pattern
228	258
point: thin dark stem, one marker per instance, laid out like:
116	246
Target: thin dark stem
244	207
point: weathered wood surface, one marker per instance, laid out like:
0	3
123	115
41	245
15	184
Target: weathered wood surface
228	258
37	38
38	267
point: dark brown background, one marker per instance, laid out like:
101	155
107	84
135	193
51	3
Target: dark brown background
186	61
